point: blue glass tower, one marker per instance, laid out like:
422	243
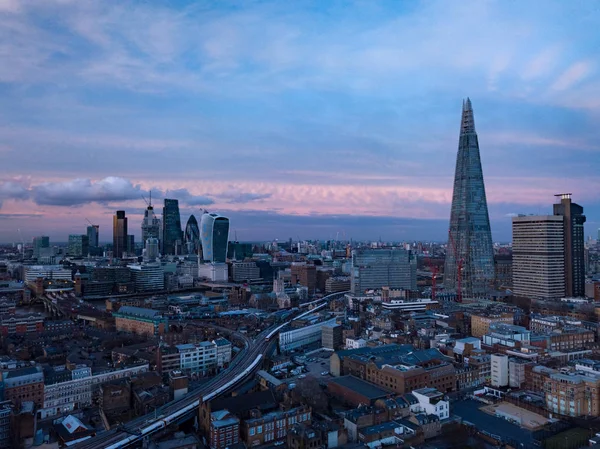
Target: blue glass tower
470	253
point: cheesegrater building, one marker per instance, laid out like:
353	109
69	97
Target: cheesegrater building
470	255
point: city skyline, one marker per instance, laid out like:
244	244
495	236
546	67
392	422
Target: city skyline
291	124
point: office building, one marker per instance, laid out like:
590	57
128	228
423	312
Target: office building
573	220
224	430
373	269
148	276
470	254
131	245
38	244
6	412
93	234
119	234
332	336
304	336
274	426
244	271
151	250
172	234
214	235
150	223
78	245
239	251
191	237
305	275
499	370
538	257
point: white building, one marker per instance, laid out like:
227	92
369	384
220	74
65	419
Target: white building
223	351
304	336
352	343
64	397
431	402
506	335
215	272
199	358
32	272
499	365
148	276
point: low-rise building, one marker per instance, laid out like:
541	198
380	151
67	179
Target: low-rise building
480	323
224	429
224	348
354	391
431	402
24	384
303	336
21	324
355	343
274	426
140	321
507	335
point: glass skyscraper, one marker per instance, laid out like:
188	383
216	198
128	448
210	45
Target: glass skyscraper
192	235
470	253
214	235
172	234
93	234
119	234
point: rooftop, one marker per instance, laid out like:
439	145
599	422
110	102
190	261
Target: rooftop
367	389
138	311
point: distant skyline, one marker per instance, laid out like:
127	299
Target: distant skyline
293	119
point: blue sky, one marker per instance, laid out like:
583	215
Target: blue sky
294	118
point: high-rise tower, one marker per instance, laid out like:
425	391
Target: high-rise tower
573	220
192	235
214	236
119	234
470	254
172	234
150	223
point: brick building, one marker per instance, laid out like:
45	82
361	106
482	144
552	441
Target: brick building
25	384
140	321
21	324
273	426
224	429
480	323
305	275
354	391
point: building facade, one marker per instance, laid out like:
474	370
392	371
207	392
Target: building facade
574	250
244	271
25	384
214	235
93	235
373	269
78	245
140	321
119	234
538	257
150	224
148	276
274	426
304	336
172	233
470	254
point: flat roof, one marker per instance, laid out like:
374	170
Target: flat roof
363	387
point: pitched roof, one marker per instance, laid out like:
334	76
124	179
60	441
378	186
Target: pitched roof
239	404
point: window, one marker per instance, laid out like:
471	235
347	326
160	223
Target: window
259	429
251	431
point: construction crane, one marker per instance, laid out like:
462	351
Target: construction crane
459	268
91	224
434	272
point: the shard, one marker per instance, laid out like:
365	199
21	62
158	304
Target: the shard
469	267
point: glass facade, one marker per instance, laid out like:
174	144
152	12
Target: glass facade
214	235
192	235
470	237
119	234
172	233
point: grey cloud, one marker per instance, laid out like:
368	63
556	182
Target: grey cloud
236	197
11	190
184	196
82	191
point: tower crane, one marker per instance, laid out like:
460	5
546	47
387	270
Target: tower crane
459	267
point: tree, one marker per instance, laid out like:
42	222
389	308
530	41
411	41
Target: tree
309	392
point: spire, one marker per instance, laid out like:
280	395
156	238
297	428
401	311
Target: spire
467	123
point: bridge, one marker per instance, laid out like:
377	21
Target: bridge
245	364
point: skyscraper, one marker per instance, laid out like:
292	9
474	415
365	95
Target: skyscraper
39	243
93	234
214	235
119	234
150	223
538	257
192	235
470	254
78	245
573	220
171	226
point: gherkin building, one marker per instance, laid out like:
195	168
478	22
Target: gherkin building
470	254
